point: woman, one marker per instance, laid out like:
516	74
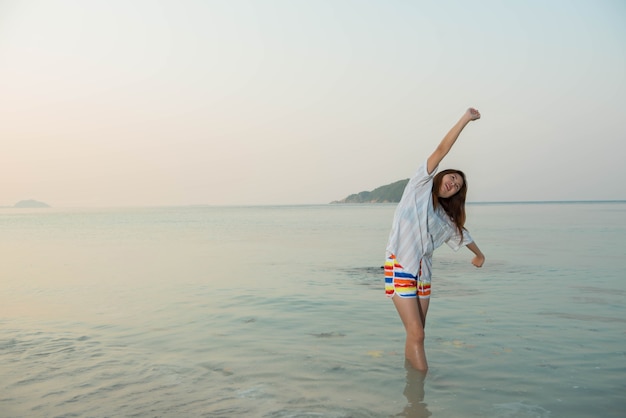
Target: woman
431	212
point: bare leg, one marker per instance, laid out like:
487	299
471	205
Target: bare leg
413	314
422	305
414	392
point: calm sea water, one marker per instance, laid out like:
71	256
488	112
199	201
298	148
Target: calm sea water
280	312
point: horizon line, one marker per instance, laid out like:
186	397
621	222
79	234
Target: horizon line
495	202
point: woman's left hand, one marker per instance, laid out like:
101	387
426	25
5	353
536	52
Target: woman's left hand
478	260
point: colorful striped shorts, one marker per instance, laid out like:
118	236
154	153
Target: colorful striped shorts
399	282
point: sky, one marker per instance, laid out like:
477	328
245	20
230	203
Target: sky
232	102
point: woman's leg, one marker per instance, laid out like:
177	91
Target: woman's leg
422	305
413	314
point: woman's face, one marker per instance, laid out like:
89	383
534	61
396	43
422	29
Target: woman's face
451	183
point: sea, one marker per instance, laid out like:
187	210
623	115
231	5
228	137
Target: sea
280	312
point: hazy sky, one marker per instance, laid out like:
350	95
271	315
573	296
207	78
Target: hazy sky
116	103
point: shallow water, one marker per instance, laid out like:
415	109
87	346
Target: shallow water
280	312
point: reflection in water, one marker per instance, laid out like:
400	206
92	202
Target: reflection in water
414	392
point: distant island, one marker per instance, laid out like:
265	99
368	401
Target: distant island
390	193
30	204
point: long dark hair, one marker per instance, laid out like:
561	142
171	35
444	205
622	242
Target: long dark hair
454	205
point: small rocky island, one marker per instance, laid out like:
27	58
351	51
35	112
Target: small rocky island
30	204
390	193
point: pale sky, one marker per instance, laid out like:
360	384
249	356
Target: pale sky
232	102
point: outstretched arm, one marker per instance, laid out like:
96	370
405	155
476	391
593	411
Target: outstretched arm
479	257
446	143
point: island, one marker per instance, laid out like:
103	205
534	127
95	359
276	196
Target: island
30	204
390	193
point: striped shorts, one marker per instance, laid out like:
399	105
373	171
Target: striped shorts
399	282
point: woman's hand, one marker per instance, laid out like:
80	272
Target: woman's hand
479	257
472	114
478	260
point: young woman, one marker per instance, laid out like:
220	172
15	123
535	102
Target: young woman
431	212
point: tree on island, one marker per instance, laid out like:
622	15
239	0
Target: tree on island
389	193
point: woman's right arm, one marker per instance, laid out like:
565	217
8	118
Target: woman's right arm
446	143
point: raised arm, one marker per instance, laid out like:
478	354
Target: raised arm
446	143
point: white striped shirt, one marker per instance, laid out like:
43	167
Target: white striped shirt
418	229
